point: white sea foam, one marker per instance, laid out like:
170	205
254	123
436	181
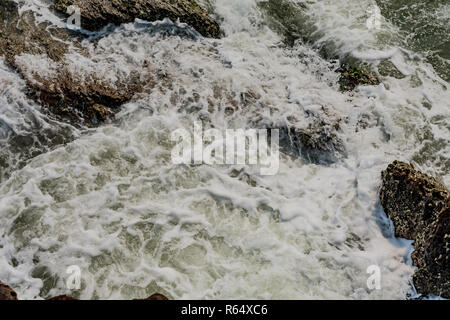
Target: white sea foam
112	202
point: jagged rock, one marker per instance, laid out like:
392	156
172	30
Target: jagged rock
7	293
96	14
419	207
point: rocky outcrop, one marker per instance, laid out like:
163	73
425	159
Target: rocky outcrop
96	14
419	207
6	292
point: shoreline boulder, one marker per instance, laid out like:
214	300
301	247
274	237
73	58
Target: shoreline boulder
419	207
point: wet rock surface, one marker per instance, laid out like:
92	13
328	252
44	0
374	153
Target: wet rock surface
6	292
96	14
20	34
82	99
419	207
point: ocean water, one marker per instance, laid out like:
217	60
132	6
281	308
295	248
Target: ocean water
110	200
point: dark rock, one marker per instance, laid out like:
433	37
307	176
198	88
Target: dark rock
96	14
63	298
419	207
7	293
155	296
353	76
411	199
86	99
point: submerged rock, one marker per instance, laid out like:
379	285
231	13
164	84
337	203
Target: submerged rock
353	76
419	207
96	14
387	69
318	141
7	293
